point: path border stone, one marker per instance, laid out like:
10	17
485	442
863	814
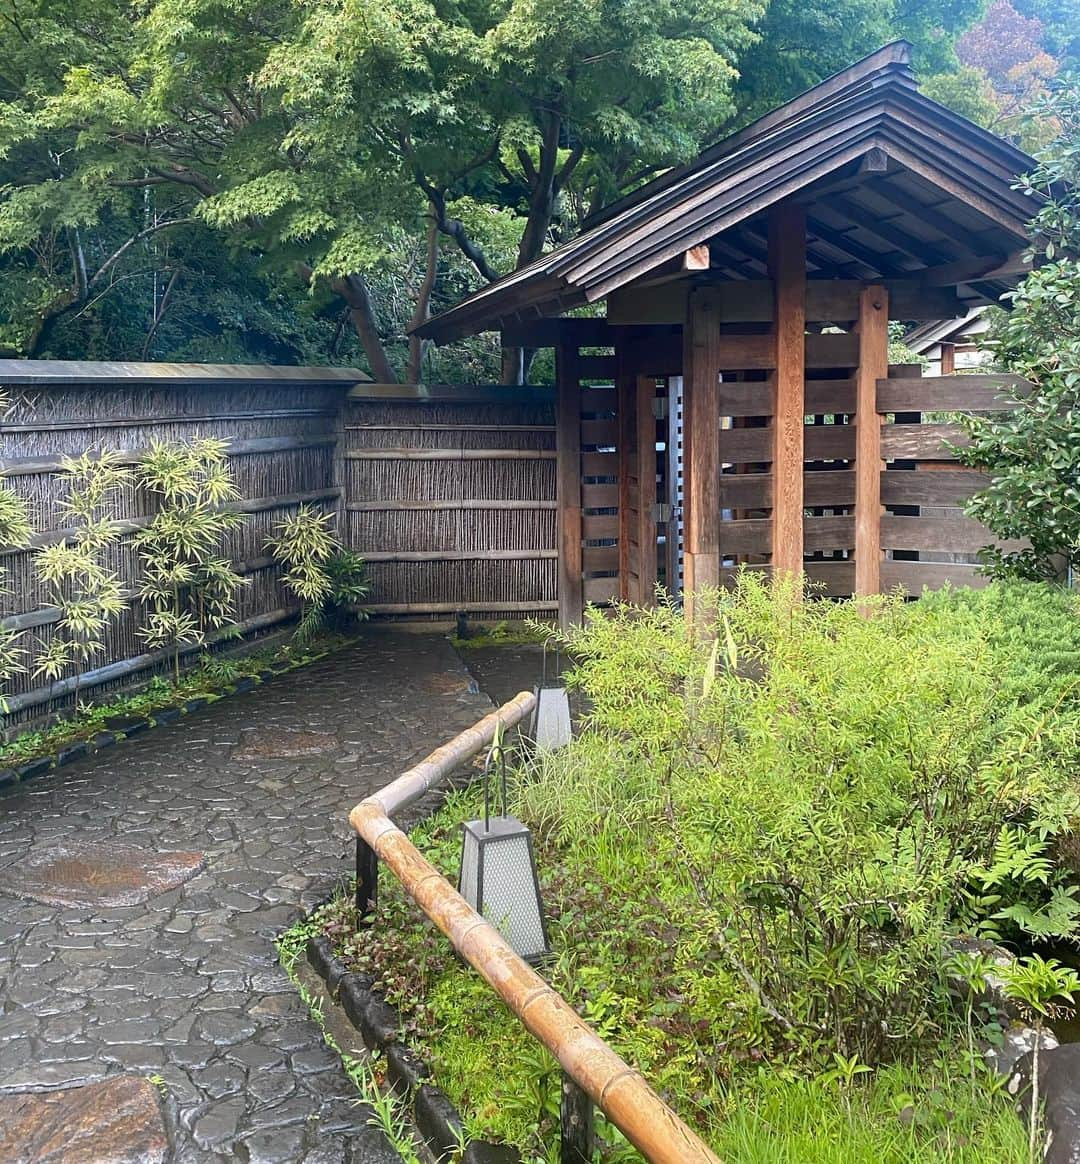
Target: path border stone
408	1077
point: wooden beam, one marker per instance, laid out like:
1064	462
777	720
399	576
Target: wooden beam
625	444
646	459
568	483
873	328
701	452
751	301
549	333
787	266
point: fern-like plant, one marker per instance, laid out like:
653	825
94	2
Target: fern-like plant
86	591
328	580
188	587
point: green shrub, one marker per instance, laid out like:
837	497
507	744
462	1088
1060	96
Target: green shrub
821	801
330	581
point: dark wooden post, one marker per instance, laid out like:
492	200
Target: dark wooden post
646	468
873	328
701	446
787	268
576	1120
626	438
568	482
367	881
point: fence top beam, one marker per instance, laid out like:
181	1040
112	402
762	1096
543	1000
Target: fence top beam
94	373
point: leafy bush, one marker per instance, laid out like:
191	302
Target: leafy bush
188	587
329	580
828	799
76	571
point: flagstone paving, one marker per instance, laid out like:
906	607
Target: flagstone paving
124	957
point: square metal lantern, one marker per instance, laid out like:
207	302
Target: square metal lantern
498	879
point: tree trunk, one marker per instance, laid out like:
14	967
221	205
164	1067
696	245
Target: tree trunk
423	302
353	290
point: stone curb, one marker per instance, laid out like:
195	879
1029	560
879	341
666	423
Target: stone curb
378	1023
68	753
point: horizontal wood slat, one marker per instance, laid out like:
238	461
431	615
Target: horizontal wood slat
754	535
930	487
829	579
480	503
921	442
450	454
974	393
754	397
955	535
598	464
825	442
599	525
914	576
754	490
597	496
601	590
599	559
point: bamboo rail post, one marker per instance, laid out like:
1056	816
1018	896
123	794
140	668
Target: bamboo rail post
873	328
367	882
787	268
577	1126
609	1082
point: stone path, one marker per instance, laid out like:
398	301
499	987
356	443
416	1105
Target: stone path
97	983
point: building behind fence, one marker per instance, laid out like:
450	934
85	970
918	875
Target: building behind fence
461	497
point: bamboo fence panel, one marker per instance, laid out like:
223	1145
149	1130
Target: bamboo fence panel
282	439
452	500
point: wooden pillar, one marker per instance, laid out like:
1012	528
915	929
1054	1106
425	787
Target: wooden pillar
787	269
568	482
948	359
873	326
626	438
646	467
701	446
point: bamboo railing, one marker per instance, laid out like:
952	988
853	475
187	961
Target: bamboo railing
607	1080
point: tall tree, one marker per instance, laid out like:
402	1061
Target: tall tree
366	161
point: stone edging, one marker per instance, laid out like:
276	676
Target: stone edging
133	725
378	1023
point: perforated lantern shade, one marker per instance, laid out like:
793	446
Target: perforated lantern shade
498	879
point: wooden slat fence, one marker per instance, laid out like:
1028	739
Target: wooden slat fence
926	537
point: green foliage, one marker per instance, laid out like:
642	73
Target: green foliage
754	859
329	580
76	570
187	586
1032	453
256	181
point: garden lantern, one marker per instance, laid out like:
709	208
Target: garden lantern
498	872
551	718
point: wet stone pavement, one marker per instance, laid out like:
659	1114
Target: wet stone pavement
140	893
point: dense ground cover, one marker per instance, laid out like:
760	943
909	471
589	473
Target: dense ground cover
754	859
